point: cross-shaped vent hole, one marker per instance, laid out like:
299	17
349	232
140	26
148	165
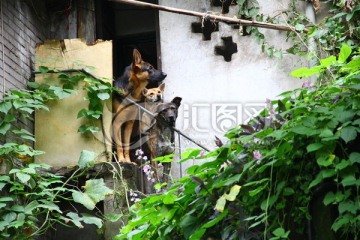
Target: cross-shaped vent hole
206	26
227	49
224	4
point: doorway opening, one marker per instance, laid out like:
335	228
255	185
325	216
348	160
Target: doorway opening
129	27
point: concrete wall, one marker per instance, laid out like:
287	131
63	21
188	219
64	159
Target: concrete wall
218	95
21	28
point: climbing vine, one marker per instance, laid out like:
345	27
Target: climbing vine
31	193
340	26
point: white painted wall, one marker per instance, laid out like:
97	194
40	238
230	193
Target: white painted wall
206	82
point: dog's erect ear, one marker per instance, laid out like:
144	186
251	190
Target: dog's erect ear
177	101
144	92
137	60
162	86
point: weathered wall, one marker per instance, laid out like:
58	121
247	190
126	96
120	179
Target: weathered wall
218	95
21	28
71	19
25	23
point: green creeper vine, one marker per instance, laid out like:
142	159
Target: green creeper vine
30	193
341	26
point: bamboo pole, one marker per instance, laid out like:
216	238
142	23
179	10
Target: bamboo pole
210	16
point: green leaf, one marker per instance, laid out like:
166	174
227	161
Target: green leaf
325	160
4	127
345	52
340	222
256	191
43	69
95	191
343	115
326	133
103	96
51	206
4	178
5	107
31	206
87	159
34	85
348	133
83	199
354	157
75	219
189	154
326	62
316	181
302	130
82	113
92	220
169	198
343	164
349	180
348	206
280	232
6	199
198	234
9	217
214	221
307	72
329	198
314	146
24	178
288	191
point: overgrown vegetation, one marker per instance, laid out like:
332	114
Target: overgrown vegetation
291	173
31	194
263	182
339	27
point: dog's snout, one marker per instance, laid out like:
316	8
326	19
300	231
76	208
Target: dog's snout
164	75
172	118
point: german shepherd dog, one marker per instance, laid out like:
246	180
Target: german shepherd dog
161	134
132	83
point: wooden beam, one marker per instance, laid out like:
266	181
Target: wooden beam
211	16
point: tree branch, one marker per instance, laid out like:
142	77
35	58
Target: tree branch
210	16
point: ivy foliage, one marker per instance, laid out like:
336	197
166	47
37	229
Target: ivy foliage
31	203
340	26
263	183
30	193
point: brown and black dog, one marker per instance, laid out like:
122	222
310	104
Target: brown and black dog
132	83
161	135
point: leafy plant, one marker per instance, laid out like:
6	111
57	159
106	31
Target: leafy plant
32	194
263	183
341	26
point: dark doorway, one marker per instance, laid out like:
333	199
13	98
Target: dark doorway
129	27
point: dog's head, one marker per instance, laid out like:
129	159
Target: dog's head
168	112
144	72
154	94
